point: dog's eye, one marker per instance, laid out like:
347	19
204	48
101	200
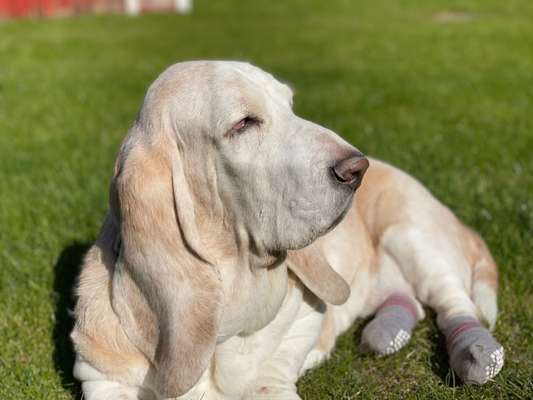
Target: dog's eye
242	125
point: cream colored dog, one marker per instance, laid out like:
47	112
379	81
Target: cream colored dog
198	287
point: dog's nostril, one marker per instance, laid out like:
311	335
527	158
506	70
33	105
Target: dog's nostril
346	176
350	171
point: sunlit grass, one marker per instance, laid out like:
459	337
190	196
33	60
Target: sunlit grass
445	92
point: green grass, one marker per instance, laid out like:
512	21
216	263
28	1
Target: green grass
452	103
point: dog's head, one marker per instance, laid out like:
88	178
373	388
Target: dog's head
215	163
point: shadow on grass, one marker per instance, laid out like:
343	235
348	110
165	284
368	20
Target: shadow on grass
360	325
439	354
65	274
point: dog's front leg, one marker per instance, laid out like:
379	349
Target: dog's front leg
109	390
277	375
96	386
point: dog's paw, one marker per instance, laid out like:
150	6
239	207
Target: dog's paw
107	390
474	353
383	340
478	363
313	359
390	330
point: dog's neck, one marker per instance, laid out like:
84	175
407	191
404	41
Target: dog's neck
253	297
254	281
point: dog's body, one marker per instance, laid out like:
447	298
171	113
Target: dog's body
221	311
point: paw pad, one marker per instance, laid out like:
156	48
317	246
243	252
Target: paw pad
401	339
496	363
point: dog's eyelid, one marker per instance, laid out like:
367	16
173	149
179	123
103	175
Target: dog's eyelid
242	124
253	119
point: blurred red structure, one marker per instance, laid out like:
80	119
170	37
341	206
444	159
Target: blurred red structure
51	8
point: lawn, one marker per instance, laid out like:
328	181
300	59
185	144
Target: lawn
444	91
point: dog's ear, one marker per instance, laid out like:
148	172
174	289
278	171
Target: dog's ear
161	277
312	268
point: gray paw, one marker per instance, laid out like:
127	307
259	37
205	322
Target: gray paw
477	364
379	339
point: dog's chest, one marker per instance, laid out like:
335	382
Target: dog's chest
239	360
252	300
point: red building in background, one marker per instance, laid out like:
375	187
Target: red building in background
50	8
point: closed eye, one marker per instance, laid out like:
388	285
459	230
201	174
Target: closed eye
243	125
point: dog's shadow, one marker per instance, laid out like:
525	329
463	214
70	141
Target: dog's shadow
65	274
439	354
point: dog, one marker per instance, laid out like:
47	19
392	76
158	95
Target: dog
233	252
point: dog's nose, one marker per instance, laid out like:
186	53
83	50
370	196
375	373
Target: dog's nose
350	171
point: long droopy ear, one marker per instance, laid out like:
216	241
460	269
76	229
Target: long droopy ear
312	268
167	296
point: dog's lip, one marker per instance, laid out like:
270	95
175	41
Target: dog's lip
341	216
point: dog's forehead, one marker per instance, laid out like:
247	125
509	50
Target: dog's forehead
241	85
256	76
265	81
216	91
227	76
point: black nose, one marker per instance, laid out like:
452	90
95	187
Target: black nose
350	171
